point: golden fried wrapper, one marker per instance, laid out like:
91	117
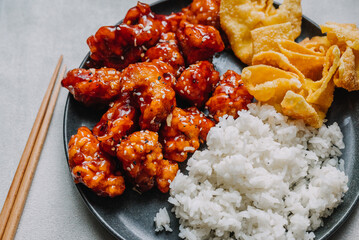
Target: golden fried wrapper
318	44
348	73
268	84
342	34
283	89
309	62
294	105
321	93
267	38
239	17
346	36
278	60
288	11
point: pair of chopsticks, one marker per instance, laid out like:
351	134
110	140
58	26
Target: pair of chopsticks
19	189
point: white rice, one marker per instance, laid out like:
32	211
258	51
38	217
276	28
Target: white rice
162	221
261	177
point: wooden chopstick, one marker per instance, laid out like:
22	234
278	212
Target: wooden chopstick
10	198
32	150
31	167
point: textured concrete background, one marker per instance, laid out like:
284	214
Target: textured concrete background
33	35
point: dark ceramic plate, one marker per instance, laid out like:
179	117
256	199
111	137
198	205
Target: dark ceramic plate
130	216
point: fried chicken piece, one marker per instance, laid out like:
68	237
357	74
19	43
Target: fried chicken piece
205	12
116	123
199	42
167	50
185	130
92	167
141	157
203	122
152	92
229	97
139	154
166	172
168	23
168	73
119	46
93	86
197	82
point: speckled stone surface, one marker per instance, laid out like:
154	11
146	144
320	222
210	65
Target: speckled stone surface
33	35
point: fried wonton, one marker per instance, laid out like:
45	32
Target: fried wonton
269	84
319	44
348	73
321	92
279	86
278	60
239	17
342	34
346	36
267	38
309	62
294	105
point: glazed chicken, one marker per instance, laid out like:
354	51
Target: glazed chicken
183	133
199	42
229	97
93	86
90	166
119	46
152	93
143	134
197	82
167	50
167	72
166	172
205	12
117	122
141	157
168	23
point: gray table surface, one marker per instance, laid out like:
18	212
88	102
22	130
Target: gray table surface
33	35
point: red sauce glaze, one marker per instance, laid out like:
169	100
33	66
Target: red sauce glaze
119	46
168	23
166	172
141	157
199	42
93	86
183	133
90	166
167	50
197	82
229	97
205	12
116	123
151	91
168	73
143	96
